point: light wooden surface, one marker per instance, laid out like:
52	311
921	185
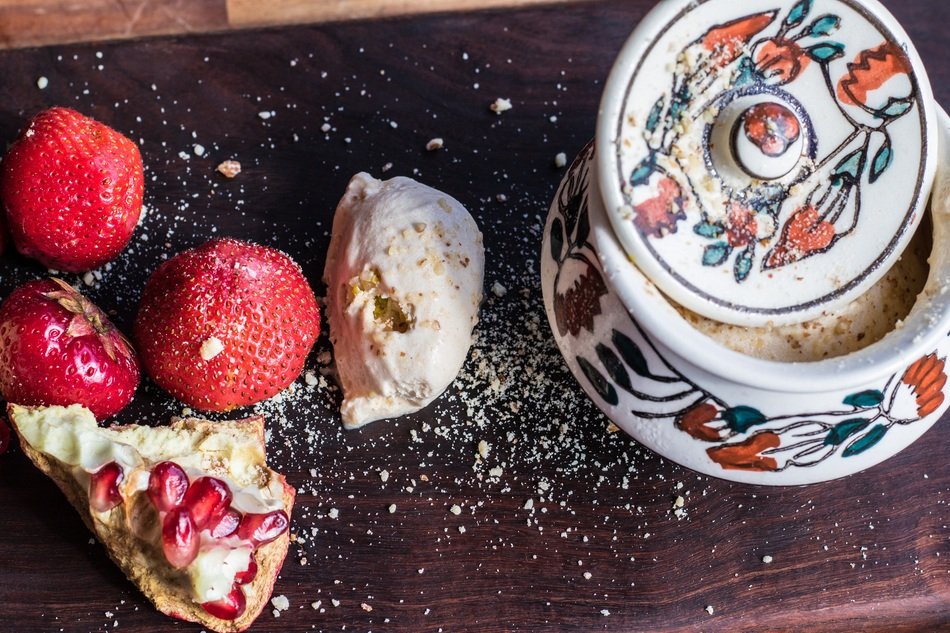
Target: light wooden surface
25	23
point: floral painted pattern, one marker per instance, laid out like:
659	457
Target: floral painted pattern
742	437
875	89
575	305
621	365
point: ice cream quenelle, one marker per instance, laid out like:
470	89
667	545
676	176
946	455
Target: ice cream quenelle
404	279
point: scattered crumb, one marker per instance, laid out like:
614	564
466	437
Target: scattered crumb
498	290
766	559
334	602
316	605
392	508
709	609
434	144
198	149
333	513
229	168
384	476
281	603
42	82
560	159
211	347
365	607
483	449
455	509
501	105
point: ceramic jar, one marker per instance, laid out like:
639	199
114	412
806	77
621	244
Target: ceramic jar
633	238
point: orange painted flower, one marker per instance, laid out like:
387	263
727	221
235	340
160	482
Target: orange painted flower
747	455
659	214
780	60
771	127
725	42
740	225
804	234
696	420
576	307
926	379
878	80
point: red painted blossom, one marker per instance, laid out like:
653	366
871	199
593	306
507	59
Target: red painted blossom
575	308
926	378
696	421
741	226
804	234
870	71
747	455
779	60
771	127
725	42
658	215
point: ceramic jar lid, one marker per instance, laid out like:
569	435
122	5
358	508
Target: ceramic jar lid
766	161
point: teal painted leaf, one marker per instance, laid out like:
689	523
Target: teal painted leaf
600	384
654	119
708	229
743	265
630	353
742	418
865	442
716	253
642	172
895	109
614	367
850	165
557	239
882	160
825	25
865	399
843	430
798	13
825	52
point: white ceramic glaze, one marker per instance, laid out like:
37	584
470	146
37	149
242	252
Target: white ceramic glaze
766	162
715	410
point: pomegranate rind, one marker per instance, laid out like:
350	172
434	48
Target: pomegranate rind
157	580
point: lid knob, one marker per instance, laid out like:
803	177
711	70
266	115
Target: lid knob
767	140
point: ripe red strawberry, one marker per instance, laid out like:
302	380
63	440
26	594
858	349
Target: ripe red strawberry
226	324
57	347
72	189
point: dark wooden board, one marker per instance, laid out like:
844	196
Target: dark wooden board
869	552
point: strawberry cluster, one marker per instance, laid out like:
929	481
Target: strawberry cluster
224	325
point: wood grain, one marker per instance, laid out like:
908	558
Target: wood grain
26	23
867	553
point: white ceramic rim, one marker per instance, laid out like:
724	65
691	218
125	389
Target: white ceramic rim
611	109
927	323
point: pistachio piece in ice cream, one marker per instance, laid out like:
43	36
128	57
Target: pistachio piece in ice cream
404	279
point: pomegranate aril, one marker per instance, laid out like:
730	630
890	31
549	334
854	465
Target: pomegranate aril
104	487
167	486
263	528
229	607
207	497
226	524
246	576
180	538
